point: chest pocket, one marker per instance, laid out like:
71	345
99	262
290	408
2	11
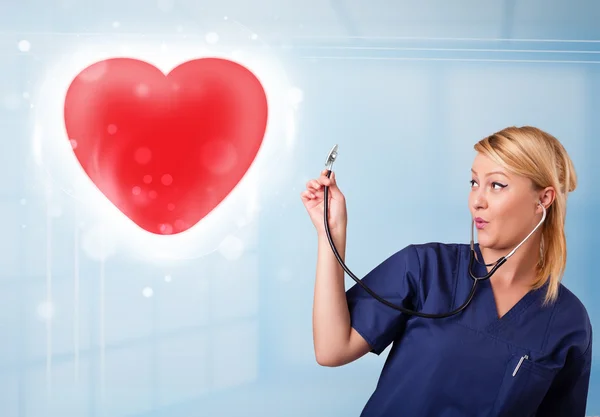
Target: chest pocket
523	388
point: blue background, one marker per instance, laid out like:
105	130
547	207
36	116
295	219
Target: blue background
405	89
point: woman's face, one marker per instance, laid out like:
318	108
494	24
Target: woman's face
504	206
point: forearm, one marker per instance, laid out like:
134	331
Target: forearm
331	318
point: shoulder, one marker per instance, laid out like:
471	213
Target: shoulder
434	261
568	301
418	259
439	251
571	325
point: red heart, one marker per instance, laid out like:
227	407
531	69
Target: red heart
166	150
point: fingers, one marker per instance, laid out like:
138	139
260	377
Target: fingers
307	195
315	188
313	185
313	194
322	181
327	181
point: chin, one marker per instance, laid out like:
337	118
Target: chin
486	241
493	244
481	237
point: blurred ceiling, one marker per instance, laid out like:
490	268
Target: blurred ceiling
557	19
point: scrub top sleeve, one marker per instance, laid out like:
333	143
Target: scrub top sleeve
567	397
395	280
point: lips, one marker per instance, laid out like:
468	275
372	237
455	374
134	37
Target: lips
480	223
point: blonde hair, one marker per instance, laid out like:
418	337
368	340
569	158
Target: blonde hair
539	156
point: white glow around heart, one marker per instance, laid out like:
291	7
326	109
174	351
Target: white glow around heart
58	165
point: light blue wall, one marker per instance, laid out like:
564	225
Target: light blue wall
404	89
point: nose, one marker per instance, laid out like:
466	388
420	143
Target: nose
479	202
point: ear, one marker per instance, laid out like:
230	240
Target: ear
546	197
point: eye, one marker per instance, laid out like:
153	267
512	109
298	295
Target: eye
500	186
472	182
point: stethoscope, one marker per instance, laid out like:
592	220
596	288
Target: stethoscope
331	157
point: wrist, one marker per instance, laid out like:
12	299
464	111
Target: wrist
338	236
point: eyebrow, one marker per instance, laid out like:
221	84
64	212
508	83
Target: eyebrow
490	173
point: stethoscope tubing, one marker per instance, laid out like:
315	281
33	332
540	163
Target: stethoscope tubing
399	307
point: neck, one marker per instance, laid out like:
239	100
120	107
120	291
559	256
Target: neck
520	268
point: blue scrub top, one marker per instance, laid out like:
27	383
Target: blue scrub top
534	359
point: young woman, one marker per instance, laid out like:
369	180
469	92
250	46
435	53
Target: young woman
522	347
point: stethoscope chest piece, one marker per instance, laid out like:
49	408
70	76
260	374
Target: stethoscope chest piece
331	157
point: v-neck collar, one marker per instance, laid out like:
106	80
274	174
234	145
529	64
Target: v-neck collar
493	323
